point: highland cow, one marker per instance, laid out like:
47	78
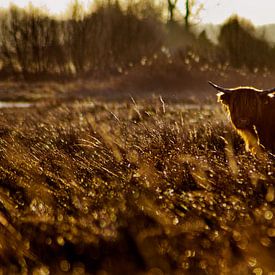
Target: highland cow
252	113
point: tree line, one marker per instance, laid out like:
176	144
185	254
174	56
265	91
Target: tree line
106	40
113	38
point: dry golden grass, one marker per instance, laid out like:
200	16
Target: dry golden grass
131	187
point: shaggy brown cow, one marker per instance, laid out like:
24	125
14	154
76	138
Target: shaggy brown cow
252	113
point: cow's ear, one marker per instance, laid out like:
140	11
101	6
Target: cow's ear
223	97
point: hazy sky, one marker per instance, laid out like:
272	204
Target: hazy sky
214	11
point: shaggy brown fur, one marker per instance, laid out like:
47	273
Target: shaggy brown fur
252	113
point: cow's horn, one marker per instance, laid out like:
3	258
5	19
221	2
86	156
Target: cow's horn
218	87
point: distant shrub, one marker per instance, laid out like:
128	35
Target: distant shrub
31	42
107	39
240	45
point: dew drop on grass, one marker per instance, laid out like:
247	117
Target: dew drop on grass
60	217
79	269
252	261
258	271
265	241
185	265
48	241
60	240
103	224
271	232
43	270
190	253
270	194
64	266
175	221
268	215
135	193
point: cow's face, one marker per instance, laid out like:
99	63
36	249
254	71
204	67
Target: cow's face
252	113
243	105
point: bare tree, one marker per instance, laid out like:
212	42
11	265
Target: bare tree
172	4
187	14
192	10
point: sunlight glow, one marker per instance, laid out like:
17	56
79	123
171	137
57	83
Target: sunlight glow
53	6
214	11
258	12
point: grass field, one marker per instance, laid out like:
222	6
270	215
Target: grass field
146	187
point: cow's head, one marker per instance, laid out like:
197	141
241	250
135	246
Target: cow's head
244	104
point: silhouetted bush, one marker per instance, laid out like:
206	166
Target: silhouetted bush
108	39
32	43
240	45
